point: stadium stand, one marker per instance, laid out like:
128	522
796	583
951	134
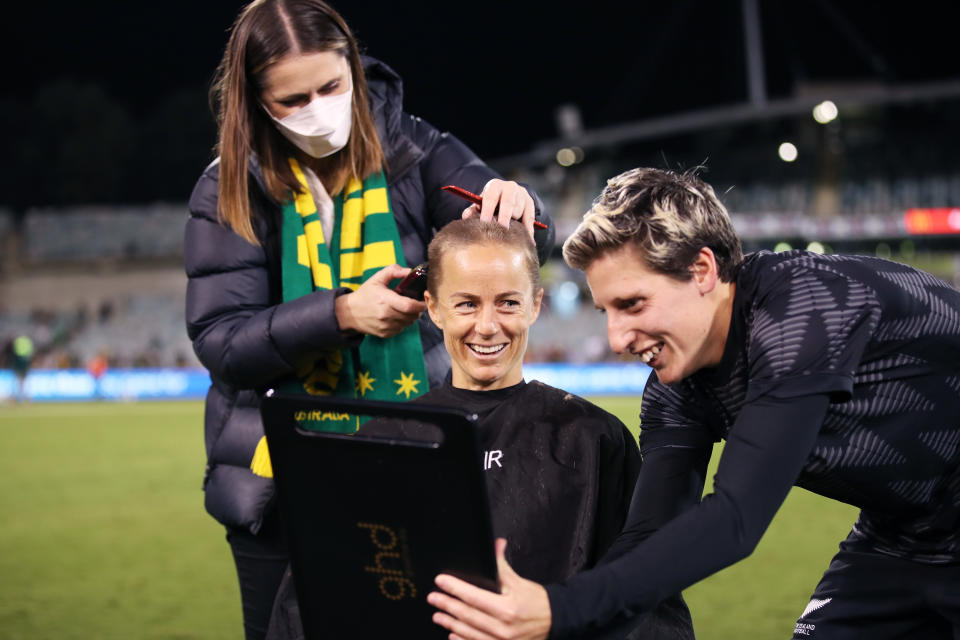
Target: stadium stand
109	279
98	233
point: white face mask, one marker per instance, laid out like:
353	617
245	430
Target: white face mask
322	127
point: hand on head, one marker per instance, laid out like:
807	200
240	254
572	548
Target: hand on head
377	310
505	200
521	611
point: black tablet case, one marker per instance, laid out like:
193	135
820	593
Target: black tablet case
371	521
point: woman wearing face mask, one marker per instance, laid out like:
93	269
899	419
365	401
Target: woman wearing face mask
324	192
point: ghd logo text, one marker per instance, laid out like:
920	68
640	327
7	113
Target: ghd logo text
395	582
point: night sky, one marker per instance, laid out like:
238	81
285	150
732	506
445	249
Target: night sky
493	72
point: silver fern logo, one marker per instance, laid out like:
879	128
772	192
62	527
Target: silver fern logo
805	628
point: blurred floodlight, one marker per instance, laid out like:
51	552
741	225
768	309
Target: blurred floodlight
825	112
816	247
788	152
782	246
566	157
569	121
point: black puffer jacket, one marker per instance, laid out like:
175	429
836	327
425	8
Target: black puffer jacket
248	338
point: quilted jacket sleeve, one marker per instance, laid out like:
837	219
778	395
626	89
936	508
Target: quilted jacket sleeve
241	331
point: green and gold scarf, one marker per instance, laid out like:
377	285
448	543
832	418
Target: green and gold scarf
365	239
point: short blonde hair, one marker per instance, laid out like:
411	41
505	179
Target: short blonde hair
669	217
472	232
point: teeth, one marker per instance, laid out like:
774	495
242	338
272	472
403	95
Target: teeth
482	349
650	354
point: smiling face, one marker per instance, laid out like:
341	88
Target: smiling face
676	327
297	79
485	305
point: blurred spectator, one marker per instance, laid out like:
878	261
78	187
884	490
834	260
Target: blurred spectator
97	367
105	312
21	355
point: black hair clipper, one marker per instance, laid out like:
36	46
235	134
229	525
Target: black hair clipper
414	283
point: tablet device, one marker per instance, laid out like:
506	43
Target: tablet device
370	521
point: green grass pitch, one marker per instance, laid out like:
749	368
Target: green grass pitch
104	535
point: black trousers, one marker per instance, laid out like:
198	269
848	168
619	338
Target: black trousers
261	560
867	595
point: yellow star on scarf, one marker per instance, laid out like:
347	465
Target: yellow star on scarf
408	384
365	382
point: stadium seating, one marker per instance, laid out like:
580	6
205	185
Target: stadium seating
146	328
97	233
